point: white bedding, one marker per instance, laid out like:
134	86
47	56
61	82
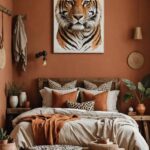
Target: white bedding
89	127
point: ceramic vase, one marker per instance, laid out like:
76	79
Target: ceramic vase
3	141
141	109
22	99
9	146
27	104
13	101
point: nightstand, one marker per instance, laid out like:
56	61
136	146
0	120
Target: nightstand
11	113
145	121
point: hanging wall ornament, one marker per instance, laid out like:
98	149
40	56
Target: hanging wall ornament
2	49
135	60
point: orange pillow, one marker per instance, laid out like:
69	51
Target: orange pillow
60	100
100	100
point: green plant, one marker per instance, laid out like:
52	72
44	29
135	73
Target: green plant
146	81
3	134
136	91
12	89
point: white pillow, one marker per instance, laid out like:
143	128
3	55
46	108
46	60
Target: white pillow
111	98
46	94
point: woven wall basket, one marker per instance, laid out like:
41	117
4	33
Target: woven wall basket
2	58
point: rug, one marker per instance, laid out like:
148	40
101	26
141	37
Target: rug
56	147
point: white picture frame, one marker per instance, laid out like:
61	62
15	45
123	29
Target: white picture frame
58	46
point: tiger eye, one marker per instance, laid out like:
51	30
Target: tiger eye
86	3
69	3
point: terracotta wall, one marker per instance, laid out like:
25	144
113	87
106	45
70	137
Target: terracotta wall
6	73
121	16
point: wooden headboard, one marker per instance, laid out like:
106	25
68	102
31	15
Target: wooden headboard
43	82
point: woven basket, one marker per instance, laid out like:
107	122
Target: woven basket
97	146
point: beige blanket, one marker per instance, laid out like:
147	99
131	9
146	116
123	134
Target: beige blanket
92	125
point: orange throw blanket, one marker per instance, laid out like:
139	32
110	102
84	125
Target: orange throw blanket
46	128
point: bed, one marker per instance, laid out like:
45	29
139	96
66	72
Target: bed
90	126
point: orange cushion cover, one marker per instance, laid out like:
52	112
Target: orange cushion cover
100	100
59	100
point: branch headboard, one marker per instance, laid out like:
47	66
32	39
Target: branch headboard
43	82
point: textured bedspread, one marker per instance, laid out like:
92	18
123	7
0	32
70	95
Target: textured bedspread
92	125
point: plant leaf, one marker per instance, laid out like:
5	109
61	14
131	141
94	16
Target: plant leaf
129	84
146	81
147	93
141	88
128	96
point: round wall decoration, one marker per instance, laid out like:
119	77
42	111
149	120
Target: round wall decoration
135	60
2	58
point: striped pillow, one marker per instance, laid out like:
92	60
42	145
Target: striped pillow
103	87
55	85
89	106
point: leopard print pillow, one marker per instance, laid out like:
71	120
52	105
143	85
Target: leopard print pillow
89	106
55	85
103	87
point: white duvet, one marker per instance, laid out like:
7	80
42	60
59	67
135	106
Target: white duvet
91	125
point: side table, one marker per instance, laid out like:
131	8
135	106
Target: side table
145	119
11	113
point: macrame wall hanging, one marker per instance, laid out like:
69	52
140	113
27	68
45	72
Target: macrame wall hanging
2	49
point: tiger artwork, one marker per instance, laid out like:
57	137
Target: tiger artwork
79	28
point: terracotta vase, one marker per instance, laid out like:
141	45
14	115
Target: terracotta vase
141	109
9	146
3	141
27	104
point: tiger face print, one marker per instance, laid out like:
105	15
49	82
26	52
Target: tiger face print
79	24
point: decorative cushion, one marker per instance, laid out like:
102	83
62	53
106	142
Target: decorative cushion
60	100
46	94
99	99
111	98
103	87
85	105
55	147
55	85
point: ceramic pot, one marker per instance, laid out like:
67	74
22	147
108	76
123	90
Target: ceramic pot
22	99
3	141
96	146
13	101
141	109
9	146
27	104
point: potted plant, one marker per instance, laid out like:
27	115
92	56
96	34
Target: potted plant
13	92
3	136
6	142
137	92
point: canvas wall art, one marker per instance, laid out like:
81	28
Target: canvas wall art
78	26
